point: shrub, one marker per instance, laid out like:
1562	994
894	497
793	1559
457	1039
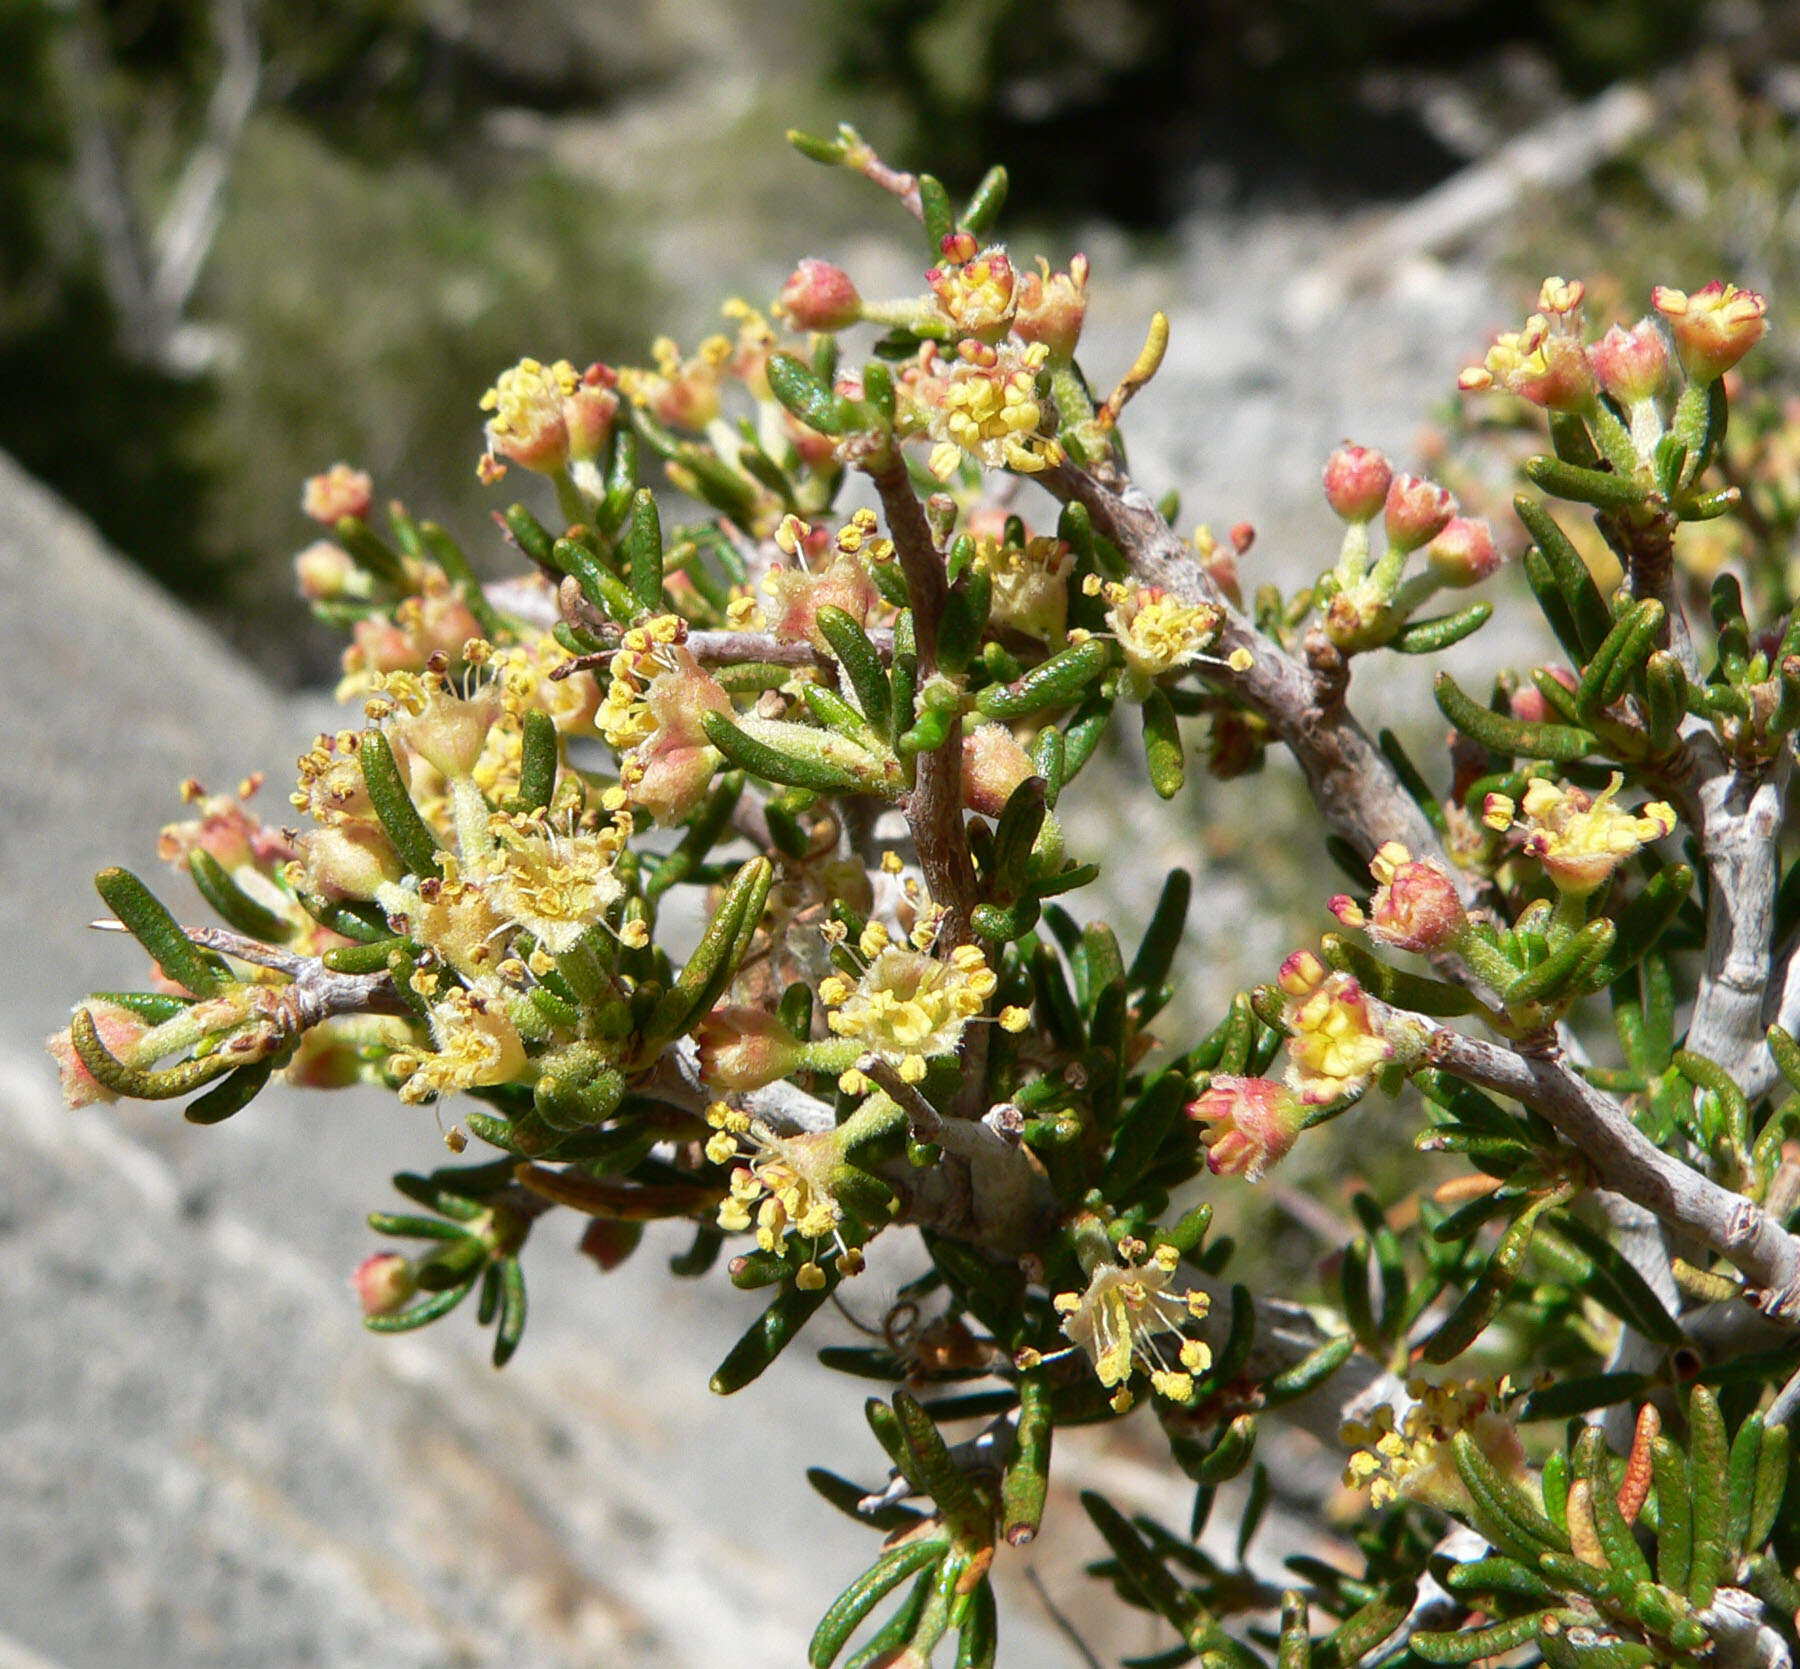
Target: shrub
1563	1362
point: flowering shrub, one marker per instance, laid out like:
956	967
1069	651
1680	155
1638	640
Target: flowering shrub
1564	1366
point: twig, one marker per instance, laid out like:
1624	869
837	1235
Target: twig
1351	781
1626	1161
1741	825
934	805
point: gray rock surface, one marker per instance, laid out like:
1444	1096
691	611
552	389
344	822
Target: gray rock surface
205	1461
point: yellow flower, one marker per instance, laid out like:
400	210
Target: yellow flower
909	1007
1030	584
983	403
477	1044
1116	1322
1581	838
783	1182
1158	633
1411	1458
555	886
1333	1045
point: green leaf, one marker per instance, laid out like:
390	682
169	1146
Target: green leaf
1468	1644
770	1334
1586	608
233	904
145	918
1057	682
848	1610
414	842
1602	489
862	666
230	1095
1708	1490
1428	637
1162	745
1560	743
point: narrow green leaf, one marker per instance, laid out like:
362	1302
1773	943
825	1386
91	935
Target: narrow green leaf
1560	743
413	840
145	918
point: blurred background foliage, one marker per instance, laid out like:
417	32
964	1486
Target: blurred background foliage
408	195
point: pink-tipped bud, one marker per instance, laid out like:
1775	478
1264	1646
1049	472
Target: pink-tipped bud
383	1283
1528	702
1464	553
1357	479
1417	511
120	1030
341	491
1631	365
1714	327
819	296
1251	1124
743	1049
993	765
325	573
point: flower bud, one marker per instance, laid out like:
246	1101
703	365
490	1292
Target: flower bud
341	491
1528	703
120	1030
1417	511
1357	479
744	1048
819	296
547	416
993	765
1464	553
350	859
1252	1123
325	572
1631	365
383	1282
1714	327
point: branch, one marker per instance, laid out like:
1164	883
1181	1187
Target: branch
1356	789
1740	828
1627	1162
934	805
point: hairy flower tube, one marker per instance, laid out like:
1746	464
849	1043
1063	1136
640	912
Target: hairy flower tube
780	1182
1030	584
1119	1318
476	1044
1579	838
1545	362
555	885
1249	1124
1159	634
982	402
1416	906
976	296
1410	1458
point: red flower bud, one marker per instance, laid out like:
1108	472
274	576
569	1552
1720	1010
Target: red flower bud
819	296
341	491
383	1282
1464	553
1356	482
1417	511
1631	365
